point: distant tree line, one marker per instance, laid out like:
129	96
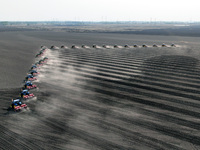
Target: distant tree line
79	23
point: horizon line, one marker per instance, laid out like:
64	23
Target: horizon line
103	21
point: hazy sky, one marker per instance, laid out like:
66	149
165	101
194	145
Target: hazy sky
100	10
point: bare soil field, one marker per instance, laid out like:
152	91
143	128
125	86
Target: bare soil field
101	98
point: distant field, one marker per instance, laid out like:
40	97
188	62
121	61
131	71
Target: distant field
174	29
